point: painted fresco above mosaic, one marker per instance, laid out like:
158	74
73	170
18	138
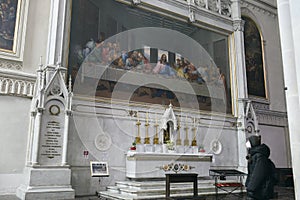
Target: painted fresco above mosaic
190	73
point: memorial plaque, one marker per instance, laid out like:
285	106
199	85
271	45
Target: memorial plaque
51	138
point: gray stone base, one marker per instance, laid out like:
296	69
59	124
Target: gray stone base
46	183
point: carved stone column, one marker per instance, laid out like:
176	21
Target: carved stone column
239	80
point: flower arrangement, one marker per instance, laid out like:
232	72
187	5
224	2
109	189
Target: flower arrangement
133	146
201	149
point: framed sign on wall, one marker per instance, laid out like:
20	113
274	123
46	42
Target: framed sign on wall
99	169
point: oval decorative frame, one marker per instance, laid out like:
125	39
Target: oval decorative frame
103	142
216	147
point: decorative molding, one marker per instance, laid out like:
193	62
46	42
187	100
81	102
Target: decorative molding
260	106
9	64
16	83
264	8
201	10
176	167
223	7
272	118
238	25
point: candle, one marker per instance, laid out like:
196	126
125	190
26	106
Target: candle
137	115
147	120
194	122
185	120
155	118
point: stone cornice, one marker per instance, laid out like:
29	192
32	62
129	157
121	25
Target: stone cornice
273	118
260	6
212	20
179	9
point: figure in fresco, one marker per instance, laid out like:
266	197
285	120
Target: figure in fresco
178	66
163	67
160	64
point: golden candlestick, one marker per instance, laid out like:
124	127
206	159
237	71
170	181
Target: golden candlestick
156	138
147	139
186	140
194	141
138	137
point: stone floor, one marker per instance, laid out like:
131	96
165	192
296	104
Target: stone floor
284	193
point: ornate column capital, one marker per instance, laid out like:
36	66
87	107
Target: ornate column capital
238	25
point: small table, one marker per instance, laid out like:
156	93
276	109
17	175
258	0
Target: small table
179	178
221	174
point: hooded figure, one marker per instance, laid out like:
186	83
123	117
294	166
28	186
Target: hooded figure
259	183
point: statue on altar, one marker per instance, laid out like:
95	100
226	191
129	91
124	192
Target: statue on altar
168	125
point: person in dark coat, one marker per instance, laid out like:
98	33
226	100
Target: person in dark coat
260	168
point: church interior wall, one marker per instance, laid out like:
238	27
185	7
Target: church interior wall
121	130
13	143
273	137
37	35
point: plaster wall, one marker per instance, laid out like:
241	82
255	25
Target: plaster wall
14	122
37	34
274	137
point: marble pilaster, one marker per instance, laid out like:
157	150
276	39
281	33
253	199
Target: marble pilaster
291	83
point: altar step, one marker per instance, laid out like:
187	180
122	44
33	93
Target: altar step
137	190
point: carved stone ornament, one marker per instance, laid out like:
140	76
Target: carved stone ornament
238	25
103	142
200	3
192	16
226	7
55	90
213	5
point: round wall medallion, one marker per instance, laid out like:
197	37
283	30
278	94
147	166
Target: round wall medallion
103	142
54	110
216	146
